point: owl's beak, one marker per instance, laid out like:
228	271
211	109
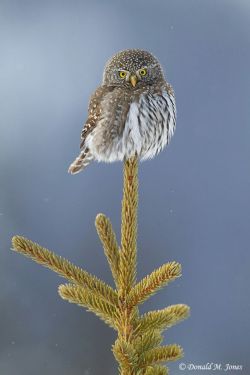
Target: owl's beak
133	80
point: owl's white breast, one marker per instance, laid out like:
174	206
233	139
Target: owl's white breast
132	136
148	128
150	125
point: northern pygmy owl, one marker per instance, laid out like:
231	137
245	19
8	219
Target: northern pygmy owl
132	113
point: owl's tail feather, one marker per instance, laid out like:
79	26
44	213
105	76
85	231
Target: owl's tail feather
80	162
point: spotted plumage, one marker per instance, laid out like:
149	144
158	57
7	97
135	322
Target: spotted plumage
132	112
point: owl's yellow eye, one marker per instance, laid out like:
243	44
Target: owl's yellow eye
143	72
122	74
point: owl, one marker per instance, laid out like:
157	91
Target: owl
132	113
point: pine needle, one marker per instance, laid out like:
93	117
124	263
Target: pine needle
163	319
63	267
128	257
156	370
126	355
110	245
147	341
153	282
161	354
83	297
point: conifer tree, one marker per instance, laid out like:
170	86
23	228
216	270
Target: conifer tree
138	348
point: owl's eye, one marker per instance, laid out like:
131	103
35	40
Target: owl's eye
143	72
122	74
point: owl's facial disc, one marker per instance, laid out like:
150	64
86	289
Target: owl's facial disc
132	69
130	78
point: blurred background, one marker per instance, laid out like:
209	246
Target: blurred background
194	197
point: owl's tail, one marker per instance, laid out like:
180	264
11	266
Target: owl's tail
80	162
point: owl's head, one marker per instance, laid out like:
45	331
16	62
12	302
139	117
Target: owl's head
132	68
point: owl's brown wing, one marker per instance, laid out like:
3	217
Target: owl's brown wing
108	103
94	112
